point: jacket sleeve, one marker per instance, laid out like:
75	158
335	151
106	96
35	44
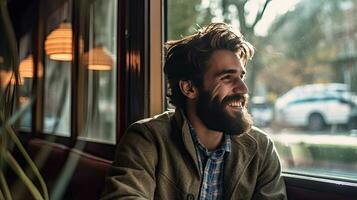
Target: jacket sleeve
270	184
132	175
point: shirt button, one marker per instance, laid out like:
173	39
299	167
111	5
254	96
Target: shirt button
190	197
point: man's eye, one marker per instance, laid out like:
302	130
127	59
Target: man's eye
227	77
243	77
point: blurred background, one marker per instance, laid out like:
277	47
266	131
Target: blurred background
302	79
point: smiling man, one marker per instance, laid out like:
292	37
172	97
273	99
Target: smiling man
207	148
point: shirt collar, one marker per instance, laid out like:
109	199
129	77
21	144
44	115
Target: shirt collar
225	145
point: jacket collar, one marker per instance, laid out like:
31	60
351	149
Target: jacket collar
243	149
186	137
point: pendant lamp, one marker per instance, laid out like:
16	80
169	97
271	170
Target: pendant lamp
58	44
8	77
5	78
26	67
98	58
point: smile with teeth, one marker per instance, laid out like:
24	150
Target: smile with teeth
236	104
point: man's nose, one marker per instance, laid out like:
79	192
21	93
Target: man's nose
241	87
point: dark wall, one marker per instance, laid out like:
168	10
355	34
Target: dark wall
23	15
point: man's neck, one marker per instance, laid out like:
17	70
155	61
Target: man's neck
209	138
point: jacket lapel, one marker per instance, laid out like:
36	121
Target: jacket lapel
187	139
244	148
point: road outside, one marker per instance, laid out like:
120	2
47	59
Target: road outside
328	153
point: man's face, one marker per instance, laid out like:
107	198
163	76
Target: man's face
222	100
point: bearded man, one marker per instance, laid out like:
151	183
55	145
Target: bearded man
207	148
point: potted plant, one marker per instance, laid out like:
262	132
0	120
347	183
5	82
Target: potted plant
9	80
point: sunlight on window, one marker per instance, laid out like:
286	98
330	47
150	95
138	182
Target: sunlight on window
302	79
98	72
57	73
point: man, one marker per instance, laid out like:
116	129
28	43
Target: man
207	148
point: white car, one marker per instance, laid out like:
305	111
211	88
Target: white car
315	106
262	111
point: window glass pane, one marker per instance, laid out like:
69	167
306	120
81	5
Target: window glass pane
24	102
57	76
310	78
26	74
98	71
302	79
57	98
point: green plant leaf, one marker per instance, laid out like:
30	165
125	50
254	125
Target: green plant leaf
18	170
15	116
9	35
29	160
1	196
4	187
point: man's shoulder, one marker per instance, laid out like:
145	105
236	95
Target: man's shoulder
157	124
260	136
257	132
159	119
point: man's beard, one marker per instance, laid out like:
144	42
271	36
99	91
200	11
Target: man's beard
214	115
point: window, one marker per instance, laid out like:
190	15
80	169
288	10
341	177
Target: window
80	74
98	50
304	72
58	70
26	75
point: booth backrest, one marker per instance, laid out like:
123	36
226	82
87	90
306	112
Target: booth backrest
69	173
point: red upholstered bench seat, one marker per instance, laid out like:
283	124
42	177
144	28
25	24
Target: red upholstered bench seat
69	173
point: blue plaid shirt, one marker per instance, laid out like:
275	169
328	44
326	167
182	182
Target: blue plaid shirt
211	165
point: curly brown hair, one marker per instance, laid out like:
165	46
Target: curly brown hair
187	58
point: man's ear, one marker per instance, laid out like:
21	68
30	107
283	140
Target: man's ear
188	89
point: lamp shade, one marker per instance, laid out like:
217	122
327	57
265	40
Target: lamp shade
8	77
98	58
58	44
26	67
